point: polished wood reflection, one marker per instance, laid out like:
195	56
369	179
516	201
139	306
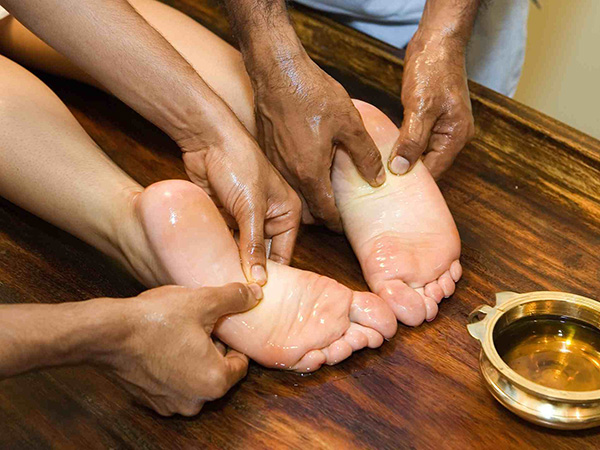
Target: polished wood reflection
526	198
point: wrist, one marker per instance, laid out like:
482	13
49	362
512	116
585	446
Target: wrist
438	50
272	53
433	40
448	24
103	329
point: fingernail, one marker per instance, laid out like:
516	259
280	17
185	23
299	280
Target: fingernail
399	165
256	290
259	274
380	177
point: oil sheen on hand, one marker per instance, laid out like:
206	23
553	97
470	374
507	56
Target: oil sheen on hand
556	352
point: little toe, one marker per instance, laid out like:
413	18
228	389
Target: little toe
407	304
447	284
355	337
337	352
456	270
434	291
310	362
371	311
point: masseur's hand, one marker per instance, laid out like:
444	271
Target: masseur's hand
438	121
168	360
226	161
303	116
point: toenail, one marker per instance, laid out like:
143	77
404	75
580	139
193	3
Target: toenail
399	165
259	274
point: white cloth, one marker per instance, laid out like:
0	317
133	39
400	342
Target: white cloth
3	13
497	48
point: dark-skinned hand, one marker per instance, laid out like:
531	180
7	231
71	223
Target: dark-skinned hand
230	166
303	116
438	121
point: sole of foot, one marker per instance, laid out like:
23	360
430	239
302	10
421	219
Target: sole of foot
403	233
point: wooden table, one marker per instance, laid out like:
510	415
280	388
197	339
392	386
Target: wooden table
525	195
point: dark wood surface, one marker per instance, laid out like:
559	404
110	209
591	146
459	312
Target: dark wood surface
526	198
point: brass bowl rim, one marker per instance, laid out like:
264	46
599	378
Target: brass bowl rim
496	360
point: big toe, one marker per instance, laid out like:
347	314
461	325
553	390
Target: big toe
408	305
371	311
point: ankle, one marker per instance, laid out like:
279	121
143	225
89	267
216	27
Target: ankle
129	243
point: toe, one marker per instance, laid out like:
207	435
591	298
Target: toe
371	311
337	352
407	304
372	338
434	291
310	362
456	270
355	337
432	308
447	284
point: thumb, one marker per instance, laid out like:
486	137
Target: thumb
412	142
217	302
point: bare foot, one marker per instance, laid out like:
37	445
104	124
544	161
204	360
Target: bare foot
304	320
402	233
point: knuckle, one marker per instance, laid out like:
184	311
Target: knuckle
189	409
372	157
410	143
295	206
256	247
219	385
215	378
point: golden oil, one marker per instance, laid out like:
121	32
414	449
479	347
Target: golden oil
556	352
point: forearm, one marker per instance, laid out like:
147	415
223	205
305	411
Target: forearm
265	34
34	336
448	21
115	45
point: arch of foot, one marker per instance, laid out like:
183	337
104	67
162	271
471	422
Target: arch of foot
304	320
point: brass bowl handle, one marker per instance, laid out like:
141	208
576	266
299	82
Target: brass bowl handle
475	323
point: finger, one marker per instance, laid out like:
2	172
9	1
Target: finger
412	142
444	148
364	153
283	227
236	367
252	246
321	202
220	301
282	246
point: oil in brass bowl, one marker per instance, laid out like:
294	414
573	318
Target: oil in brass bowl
540	356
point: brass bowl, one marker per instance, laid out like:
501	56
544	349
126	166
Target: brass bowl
554	408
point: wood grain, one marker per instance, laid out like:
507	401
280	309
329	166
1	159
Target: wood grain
526	198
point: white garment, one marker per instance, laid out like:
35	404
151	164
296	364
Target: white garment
496	50
3	13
